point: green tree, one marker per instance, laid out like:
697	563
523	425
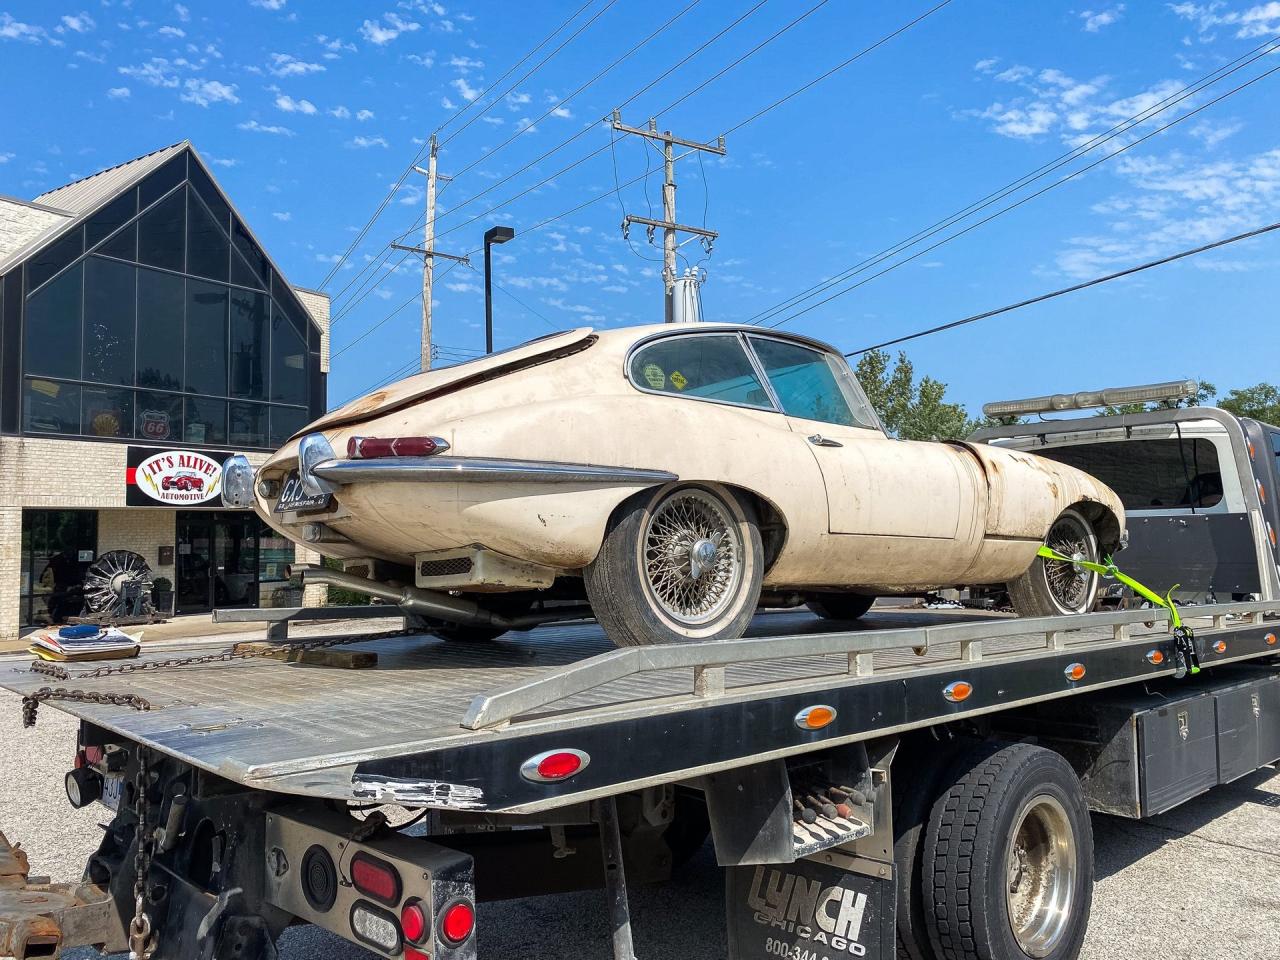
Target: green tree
911	410
1261	402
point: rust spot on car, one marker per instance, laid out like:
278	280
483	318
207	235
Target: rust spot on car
1053	488
371	402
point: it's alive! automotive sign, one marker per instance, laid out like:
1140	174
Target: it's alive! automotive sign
173	478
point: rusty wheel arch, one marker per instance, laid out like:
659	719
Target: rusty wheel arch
1105	524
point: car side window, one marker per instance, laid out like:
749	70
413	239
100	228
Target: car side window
707	366
811	385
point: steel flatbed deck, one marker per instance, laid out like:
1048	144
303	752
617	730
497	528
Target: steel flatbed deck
448	725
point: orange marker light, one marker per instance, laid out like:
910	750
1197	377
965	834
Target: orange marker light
815	717
1270	638
1074	671
1155	657
1220	647
1262	492
957	691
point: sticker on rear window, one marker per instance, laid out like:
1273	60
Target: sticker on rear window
678	381
654	376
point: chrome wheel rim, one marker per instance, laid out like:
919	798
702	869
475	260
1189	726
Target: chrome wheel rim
691	557
1070	584
1040	876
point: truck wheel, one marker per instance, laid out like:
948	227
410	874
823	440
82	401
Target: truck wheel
916	777
839	606
1008	858
677	566
1052	588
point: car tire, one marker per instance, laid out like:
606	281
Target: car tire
1008	858
1051	588
840	606
642	586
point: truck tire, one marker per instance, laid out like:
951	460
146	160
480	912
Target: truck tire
916	779
1008	858
1051	588
677	566
839	606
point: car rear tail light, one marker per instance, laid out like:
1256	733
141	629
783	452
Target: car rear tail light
375	878
376	927
554	765
370	448
414	922
458	921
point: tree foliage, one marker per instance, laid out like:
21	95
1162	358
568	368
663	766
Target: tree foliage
1261	402
910	409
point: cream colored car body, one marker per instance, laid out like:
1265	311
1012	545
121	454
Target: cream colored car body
871	514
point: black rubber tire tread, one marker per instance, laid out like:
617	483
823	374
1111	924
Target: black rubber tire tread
964	850
1029	593
618	598
917	773
839	606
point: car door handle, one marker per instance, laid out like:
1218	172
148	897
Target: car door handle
818	440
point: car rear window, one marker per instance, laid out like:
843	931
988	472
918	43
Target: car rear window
707	366
1150	474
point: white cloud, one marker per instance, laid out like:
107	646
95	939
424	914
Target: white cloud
11	29
463	286
222	161
256	127
1095	20
465	90
204	92
987	65
157	71
341	112
1260	20
287	65
335	46
269	4
284	217
427	60
176	32
363	143
562	112
387	28
77	23
182	13
495	121
465	64
1211	134
517	100
119	93
6	157
363	115
290	105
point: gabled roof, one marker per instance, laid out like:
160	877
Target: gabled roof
89	193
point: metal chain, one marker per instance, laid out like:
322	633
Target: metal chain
141	943
31	702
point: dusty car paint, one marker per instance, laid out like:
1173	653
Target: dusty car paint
872	513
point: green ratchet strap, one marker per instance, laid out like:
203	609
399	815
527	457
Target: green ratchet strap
1183	636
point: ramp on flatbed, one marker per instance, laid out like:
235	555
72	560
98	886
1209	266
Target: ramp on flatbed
303	729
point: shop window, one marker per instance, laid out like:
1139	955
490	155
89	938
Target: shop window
159	416
252	269
163	180
110	319
111	218
123	246
57	548
206	365
288	360
249	328
206	420
161	231
51	341
276	585
107	412
161	323
52	258
248	425
285	422
50	407
208	249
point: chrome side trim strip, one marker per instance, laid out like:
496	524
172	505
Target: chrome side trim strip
480	470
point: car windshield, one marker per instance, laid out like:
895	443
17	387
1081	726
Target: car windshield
813	385
709	366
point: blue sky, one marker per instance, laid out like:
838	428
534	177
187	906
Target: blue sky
310	111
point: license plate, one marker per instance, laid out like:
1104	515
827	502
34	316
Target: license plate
112	786
294	499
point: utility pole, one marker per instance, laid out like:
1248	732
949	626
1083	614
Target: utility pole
670	227
428	253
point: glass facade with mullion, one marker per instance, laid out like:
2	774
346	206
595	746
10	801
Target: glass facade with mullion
170	326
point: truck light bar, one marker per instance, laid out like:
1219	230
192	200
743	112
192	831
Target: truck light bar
1088	399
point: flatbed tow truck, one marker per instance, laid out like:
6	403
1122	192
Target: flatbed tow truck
916	784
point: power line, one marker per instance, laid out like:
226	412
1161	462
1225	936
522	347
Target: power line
1026	199
1249	235
416	296
1141	117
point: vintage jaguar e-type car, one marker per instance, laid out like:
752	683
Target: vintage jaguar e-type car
671	477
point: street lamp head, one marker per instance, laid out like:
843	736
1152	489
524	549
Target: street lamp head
499	234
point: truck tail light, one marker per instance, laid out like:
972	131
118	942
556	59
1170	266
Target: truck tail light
458	922
554	765
370	448
375	878
413	922
375	927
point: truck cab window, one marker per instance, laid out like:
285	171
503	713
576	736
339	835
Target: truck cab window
1150	474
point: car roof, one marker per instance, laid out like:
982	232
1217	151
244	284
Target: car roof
650	330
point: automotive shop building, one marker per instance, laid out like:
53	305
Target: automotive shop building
144	336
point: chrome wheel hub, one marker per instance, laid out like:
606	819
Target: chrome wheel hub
692	554
1070	584
1040	875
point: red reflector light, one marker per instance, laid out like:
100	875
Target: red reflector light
369	448
81	760
554	765
412	954
375	878
458	922
413	921
94	754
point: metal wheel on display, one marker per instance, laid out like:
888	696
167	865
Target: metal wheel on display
118	584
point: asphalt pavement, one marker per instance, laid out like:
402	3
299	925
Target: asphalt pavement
1200	882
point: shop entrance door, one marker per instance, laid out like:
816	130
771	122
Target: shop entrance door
217	561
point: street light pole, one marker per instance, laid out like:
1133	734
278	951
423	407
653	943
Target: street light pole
491	236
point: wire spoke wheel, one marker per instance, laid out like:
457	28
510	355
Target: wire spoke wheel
1071	585
1040	874
692	557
